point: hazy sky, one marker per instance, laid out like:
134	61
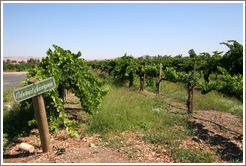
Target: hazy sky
108	30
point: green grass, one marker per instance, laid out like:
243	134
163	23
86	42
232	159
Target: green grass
16	121
125	109
193	156
210	101
8	96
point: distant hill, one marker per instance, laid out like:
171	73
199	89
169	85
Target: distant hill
18	59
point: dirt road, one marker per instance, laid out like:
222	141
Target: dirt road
12	79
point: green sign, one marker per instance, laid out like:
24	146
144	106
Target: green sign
34	89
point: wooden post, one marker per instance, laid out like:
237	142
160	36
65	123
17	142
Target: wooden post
141	82
189	98
156	80
35	91
144	74
193	87
64	95
159	82
40	113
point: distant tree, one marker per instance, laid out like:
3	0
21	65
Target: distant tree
21	62
192	53
8	61
31	60
10	67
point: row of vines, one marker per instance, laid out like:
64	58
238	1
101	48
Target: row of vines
229	79
72	73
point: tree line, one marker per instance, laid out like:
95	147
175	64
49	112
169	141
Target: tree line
13	65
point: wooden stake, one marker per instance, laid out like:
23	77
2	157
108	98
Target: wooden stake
159	82
64	95
141	82
156	80
193	87
40	113
144	74
189	98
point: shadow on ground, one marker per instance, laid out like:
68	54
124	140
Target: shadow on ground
9	156
223	146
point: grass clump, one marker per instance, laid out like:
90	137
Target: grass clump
124	110
18	118
17	121
8	96
210	101
193	156
218	102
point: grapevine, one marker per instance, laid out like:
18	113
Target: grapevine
70	73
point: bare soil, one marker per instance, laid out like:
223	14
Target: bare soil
222	132
219	132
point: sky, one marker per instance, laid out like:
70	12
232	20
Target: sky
109	30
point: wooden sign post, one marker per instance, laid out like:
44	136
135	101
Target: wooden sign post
35	92
40	113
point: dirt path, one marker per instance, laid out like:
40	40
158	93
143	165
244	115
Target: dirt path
222	132
64	150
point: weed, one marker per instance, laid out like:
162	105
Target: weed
94	152
17	122
114	143
62	138
193	156
8	96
